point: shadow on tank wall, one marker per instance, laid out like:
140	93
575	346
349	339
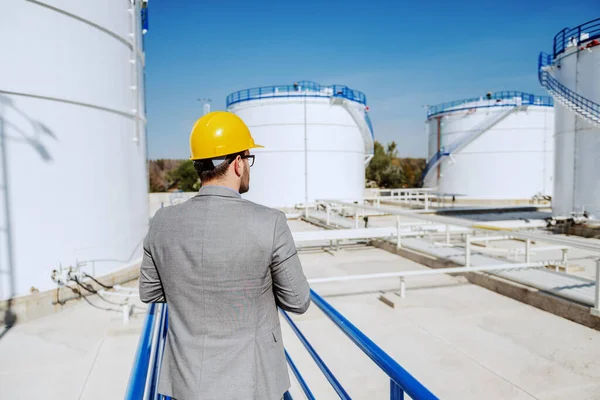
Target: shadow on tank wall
13	119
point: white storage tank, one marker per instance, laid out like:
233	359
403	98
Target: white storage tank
73	187
572	75
494	147
318	141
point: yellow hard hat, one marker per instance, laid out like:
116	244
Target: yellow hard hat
218	134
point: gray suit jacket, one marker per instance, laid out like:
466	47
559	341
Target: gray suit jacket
223	264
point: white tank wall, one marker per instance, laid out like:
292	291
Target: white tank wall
336	151
577	185
511	160
77	179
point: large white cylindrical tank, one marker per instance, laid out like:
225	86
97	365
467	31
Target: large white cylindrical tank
496	147
318	140
73	176
576	65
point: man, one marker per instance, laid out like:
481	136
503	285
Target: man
223	265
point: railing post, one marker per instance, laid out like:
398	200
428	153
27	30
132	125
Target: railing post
468	250
396	392
356	219
565	258
426	201
402	287
447	234
596	309
328	208
528	250
398	238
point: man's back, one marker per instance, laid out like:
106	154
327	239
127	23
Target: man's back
223	264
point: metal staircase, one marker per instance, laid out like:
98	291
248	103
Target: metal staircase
586	109
467	138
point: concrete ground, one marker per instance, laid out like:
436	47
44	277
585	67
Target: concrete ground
460	340
79	353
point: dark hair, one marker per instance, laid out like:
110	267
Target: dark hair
207	171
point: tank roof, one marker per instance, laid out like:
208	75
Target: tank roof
498	97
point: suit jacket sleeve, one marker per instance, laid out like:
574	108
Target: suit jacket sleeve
292	292
151	289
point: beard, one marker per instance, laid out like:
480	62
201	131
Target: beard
245	184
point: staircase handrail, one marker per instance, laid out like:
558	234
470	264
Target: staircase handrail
578	103
466	139
573	36
301	89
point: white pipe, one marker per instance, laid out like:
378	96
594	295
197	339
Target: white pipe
438	271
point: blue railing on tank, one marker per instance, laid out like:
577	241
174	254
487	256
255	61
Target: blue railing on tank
301	89
573	36
143	381
432	161
526	99
581	105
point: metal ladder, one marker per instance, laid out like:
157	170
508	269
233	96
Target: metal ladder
585	108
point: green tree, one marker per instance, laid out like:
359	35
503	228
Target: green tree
184	177
378	163
392	177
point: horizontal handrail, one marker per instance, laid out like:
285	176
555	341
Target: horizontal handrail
398	375
575	36
300	89
137	378
496	99
335	384
584	107
299	377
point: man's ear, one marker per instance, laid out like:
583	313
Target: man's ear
238	166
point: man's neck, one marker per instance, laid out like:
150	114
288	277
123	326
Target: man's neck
222	184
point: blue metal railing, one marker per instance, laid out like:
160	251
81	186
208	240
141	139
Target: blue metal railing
143	381
584	107
433	161
492	101
573	36
146	365
301	89
401	381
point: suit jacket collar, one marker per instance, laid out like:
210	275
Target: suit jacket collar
214	190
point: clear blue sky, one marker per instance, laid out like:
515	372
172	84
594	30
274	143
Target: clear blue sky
402	54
